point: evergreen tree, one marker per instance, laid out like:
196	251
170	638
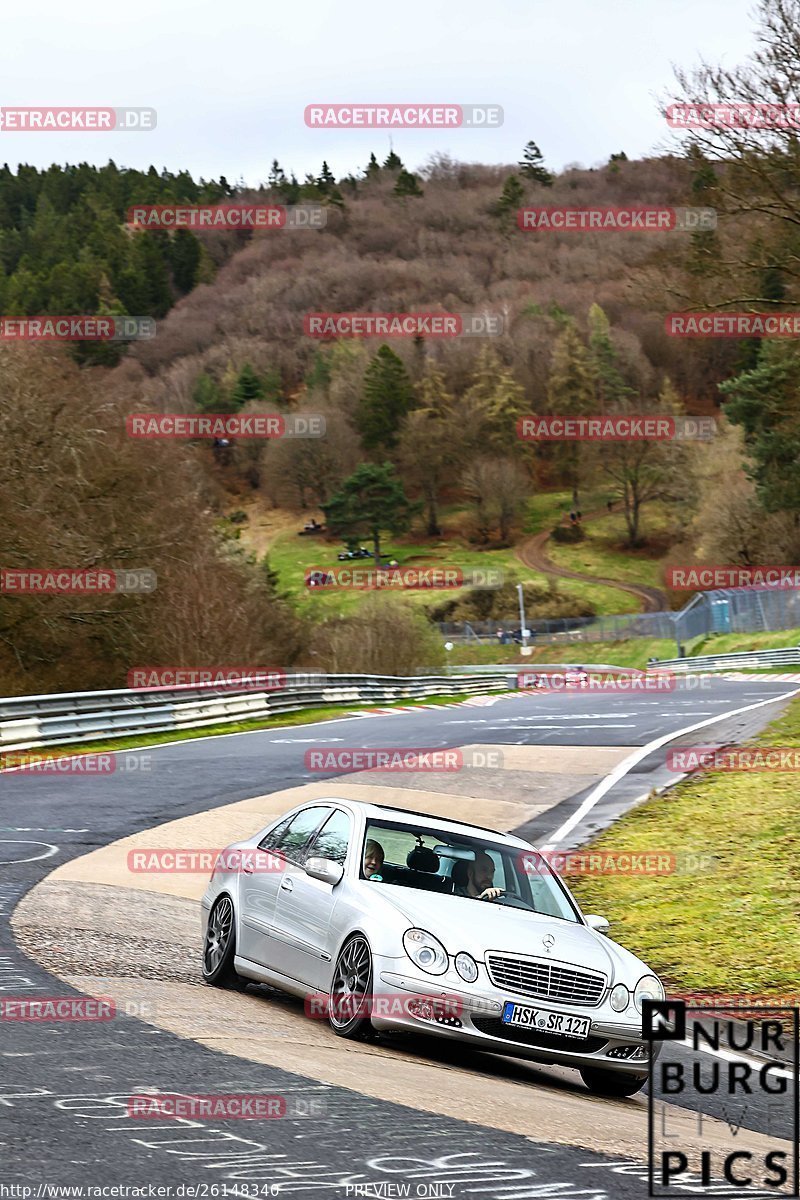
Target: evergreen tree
393	162
570	393
371	502
373	168
765	401
206	394
407	185
326	180
388	395
248	388
532	165
184	255
277	176
611	389
510	201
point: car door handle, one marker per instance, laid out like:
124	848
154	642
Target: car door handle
286	883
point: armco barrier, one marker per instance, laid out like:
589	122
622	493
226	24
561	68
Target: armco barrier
28	722
787	657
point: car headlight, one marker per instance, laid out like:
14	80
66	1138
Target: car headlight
648	988
620	998
466	967
426	951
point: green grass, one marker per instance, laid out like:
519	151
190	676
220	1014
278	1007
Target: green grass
730	928
600	554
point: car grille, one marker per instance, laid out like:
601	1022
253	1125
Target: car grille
546	980
531	1037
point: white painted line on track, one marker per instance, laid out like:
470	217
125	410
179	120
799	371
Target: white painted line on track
628	763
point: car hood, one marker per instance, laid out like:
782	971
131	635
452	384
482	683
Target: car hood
479	926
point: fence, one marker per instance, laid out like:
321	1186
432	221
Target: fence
733	610
788	657
27	722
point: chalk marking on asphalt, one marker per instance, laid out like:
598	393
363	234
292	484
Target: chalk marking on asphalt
49	852
627	764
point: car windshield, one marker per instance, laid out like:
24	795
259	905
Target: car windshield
435	860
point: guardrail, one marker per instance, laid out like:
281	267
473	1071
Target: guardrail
29	722
787	657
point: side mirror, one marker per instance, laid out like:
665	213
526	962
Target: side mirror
598	924
325	870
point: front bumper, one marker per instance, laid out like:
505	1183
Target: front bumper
471	1013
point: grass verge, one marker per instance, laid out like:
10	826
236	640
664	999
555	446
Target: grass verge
731	929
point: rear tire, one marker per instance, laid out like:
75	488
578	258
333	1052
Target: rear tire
609	1083
219	948
351	991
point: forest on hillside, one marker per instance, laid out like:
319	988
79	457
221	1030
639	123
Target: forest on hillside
583	331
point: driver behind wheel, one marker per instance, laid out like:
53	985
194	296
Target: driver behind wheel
479	882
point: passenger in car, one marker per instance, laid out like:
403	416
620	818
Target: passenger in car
476	878
373	859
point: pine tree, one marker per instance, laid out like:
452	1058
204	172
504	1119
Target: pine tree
388	395
185	252
611	389
372	501
277	176
248	387
407	185
373	168
510	201
570	393
326	180
393	162
532	165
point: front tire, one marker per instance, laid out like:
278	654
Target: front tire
610	1083
351	991
219	948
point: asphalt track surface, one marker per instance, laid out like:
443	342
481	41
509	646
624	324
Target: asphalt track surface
64	1087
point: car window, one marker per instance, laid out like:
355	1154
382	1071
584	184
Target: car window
271	839
294	838
332	840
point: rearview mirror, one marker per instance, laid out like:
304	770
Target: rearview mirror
598	924
325	870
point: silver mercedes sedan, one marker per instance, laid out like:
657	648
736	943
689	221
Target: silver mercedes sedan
385	920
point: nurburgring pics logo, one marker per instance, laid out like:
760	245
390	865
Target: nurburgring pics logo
245	426
403	116
227	218
734	758
59	581
645	427
734	115
71	328
259	679
402	578
606	218
703	579
732	325
76	120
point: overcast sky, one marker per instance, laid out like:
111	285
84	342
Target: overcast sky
231	81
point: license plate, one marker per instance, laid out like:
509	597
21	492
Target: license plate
561	1024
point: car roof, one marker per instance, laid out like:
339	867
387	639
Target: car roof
409	816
